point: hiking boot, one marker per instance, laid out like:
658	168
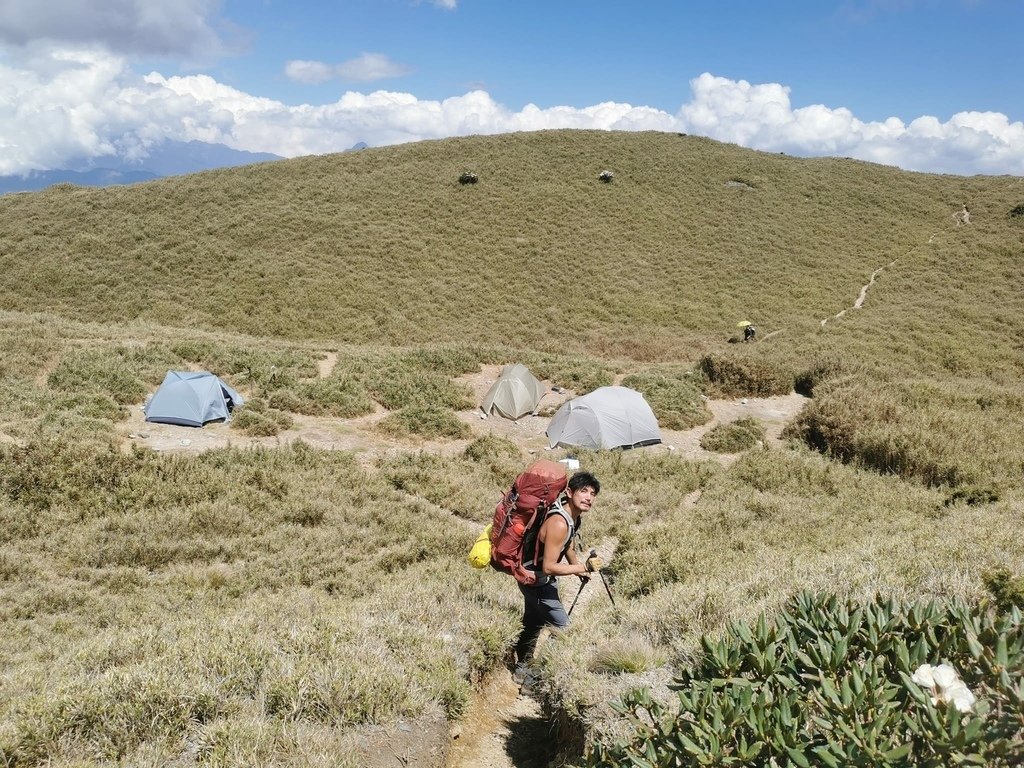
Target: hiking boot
523	676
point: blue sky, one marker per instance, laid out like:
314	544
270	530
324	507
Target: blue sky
930	85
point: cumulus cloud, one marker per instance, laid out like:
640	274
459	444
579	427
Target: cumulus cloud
364	68
87	103
180	28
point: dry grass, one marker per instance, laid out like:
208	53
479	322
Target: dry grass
255	607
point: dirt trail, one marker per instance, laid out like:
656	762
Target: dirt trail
326	365
506	728
863	292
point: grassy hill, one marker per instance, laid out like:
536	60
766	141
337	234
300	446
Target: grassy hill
221	609
384	246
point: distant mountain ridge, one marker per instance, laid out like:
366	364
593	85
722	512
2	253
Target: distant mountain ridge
171	158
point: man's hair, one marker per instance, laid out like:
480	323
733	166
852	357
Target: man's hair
582	480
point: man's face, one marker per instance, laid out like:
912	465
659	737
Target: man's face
583	499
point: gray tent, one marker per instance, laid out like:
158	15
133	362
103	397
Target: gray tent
609	417
516	393
191	398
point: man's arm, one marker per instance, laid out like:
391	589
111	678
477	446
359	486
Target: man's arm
555	530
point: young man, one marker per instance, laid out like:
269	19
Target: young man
542	608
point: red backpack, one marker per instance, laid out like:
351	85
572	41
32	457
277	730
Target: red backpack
519	515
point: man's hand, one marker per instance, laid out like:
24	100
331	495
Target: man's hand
594	563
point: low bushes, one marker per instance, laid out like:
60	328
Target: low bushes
423	421
941	435
120	371
337	396
1007	589
675	397
255	418
733	437
805	381
578	374
840	683
739	377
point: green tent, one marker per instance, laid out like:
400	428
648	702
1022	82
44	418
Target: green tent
516	393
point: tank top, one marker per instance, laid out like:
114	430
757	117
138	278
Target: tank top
556	509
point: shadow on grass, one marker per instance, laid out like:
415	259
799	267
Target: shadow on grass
532	742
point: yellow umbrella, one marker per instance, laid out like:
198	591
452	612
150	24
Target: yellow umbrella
743	324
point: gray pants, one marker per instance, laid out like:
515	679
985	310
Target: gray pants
542	608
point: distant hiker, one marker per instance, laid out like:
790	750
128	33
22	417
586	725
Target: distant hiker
542	607
748	333
962	216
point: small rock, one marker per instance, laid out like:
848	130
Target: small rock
671	447
186	442
744	401
131	435
144	435
456	731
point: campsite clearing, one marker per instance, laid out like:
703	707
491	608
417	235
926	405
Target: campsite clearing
528	433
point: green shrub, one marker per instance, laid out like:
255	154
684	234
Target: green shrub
675	397
423	421
972	496
830	683
446	361
120	372
51	473
91	405
335	396
256	419
1007	589
616	658
263	369
733	437
935	433
805	381
581	376
739	377
502	457
418	379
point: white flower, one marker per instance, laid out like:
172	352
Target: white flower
923	676
945	685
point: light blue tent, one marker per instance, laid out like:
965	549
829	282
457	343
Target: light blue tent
191	398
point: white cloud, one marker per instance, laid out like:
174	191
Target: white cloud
448	5
182	28
365	68
308	71
371	66
88	103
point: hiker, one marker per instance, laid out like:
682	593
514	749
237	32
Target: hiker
748	333
561	526
962	216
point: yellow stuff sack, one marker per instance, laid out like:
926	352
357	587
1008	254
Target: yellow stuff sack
480	554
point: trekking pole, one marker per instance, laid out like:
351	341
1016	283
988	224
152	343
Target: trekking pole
593	553
583	583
